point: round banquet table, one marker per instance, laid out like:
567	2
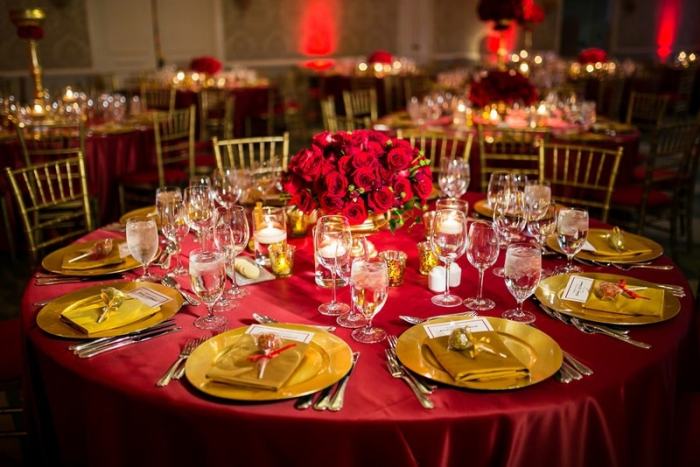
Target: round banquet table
107	410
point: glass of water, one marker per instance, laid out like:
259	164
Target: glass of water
572	231
208	275
142	240
369	282
454	176
522	272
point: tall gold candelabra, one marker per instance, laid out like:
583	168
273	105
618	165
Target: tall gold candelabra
28	23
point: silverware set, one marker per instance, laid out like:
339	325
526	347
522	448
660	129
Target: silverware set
43	278
331	398
177	369
169	281
421	389
625	266
416	320
264	319
572	369
106	344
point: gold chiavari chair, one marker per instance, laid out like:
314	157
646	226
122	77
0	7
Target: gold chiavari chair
508	149
253	153
580	175
417	86
174	150
216	107
646	110
437	145
334	122
42	188
395	92
158	98
45	141
609	98
361	103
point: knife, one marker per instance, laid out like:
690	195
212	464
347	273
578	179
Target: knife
119	343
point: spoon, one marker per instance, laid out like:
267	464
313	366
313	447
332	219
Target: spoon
264	319
172	283
416	320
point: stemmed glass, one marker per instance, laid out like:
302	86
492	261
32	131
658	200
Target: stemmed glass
234	224
208	275
200	210
167	194
454	176
173	224
333	246
572	231
452	203
142	241
509	220
541	223
498	188
448	240
227	187
523	269
369	279
482	253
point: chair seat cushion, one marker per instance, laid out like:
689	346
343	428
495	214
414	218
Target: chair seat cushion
640	174
632	196
11	348
204	160
173	176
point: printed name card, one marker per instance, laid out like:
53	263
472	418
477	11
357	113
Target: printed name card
577	289
149	297
446	328
288	334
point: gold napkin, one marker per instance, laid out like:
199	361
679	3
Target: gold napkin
86	263
484	366
234	367
602	246
83	314
624	305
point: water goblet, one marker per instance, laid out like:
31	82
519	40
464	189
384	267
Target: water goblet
509	221
227	186
572	230
369	282
482	253
173	224
237	231
333	246
541	223
498	188
200	210
454	176
208	275
523	269
142	241
449	240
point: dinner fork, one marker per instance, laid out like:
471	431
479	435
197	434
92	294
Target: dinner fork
398	373
184	354
426	388
590	328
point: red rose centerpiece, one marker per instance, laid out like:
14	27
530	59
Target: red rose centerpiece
498	86
207	65
502	12
380	56
356	173
592	55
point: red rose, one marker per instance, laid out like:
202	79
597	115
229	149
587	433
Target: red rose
423	185
304	201
345	164
380	56
402	189
362	159
365	177
592	55
336	184
399	158
381	201
291	184
208	65
355	211
307	163
330	204
323	139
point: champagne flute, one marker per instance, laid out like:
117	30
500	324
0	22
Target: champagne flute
523	269
454	176
142	241
200	210
226	187
173	223
449	240
236	222
208	274
572	230
333	246
369	279
482	253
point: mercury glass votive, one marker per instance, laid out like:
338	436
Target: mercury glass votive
281	259
426	258
396	266
428	223
297	222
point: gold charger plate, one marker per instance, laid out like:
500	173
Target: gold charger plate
148	211
53	262
482	207
49	317
549	289
539	352
327	359
656	249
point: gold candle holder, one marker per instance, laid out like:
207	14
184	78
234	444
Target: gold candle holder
428	223
281	259
396	266
299	222
28	23
426	258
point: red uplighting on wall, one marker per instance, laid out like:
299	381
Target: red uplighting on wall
669	12
493	39
319	33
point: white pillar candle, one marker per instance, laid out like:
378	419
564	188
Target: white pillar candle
269	235
436	278
451	226
332	249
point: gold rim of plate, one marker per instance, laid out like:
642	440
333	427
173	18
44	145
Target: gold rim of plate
148	211
656	249
49	317
539	352
53	262
327	359
549	289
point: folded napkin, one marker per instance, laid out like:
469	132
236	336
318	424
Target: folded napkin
484	366
602	246
651	303
234	367
87	263
83	314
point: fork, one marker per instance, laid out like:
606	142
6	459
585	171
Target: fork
590	328
425	388
398	373
184	353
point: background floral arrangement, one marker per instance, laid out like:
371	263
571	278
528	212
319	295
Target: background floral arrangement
380	56
206	64
592	55
502	86
532	13
354	173
500	11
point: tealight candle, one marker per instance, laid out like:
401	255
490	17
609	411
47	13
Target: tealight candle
332	249
451	226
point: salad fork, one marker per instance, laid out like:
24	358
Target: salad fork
398	373
184	354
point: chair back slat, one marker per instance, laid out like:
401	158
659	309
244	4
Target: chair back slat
437	145
158	97
42	142
646	109
216	109
361	103
253	153
174	140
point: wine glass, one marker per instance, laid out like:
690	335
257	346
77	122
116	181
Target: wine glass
537	194
509	220
454	176
166	194
200	210
369	282
572	230
200	180
498	188
482	253
452	203
208	275
333	246
449	240
541	223
237	230
142	241
173	224
523	269
227	187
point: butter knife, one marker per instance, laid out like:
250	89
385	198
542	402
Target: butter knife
338	398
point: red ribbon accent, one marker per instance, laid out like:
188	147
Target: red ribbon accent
271	355
630	293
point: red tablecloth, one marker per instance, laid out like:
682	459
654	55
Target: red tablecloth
107	411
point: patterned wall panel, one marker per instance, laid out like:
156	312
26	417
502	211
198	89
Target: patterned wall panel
66	42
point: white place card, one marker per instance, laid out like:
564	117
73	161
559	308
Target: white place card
587	246
446	328
577	289
288	334
148	296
